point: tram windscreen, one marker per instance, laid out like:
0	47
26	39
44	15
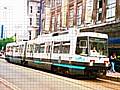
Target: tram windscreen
98	47
82	46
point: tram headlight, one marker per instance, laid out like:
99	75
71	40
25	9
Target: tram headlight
91	62
106	63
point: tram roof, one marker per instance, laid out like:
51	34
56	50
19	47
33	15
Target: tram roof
93	34
65	35
11	44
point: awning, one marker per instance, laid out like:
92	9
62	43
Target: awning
114	40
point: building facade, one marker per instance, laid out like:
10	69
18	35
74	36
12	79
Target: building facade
33	10
82	13
87	15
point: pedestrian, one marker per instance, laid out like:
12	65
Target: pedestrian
112	62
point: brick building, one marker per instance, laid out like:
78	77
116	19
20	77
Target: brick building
87	15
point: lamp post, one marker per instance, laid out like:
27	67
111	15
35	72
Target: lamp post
3	27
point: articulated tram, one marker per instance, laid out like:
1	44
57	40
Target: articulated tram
66	52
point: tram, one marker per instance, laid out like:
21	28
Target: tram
67	52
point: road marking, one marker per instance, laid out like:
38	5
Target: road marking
109	81
9	85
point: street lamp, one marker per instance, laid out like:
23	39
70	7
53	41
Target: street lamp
3	27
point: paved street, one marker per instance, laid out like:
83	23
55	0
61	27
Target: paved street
116	74
23	78
4	87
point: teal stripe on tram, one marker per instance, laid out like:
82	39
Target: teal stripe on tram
70	66
37	62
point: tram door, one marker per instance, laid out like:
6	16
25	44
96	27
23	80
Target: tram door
49	51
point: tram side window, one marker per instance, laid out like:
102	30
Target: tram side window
37	46
62	47
81	46
16	49
21	48
66	47
42	47
11	49
8	49
30	48
41	50
48	48
56	47
100	46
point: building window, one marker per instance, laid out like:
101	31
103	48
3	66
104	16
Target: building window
99	16
31	9
100	3
111	5
37	33
53	23
71	12
58	2
89	11
37	21
58	21
38	9
43	8
29	35
53	3
99	10
30	21
43	24
79	14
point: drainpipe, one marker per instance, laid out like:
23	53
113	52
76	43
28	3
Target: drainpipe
40	18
